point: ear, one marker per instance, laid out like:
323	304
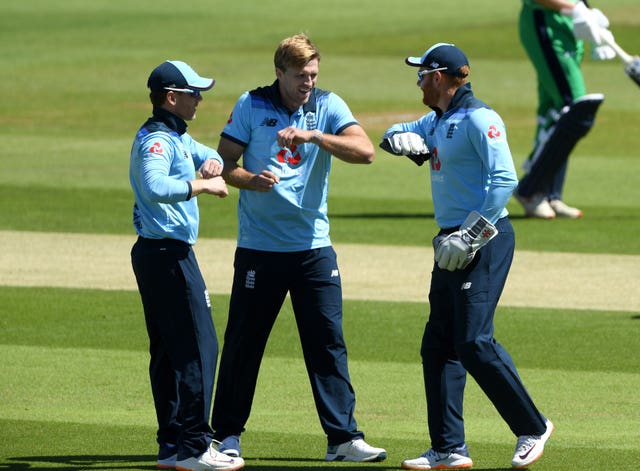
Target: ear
171	97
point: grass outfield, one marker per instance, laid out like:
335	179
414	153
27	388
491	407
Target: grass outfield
74	393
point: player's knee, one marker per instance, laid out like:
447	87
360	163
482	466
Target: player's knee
477	353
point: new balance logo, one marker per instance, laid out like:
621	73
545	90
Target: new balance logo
465	286
335	273
271	122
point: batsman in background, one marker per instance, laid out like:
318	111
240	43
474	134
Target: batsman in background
177	309
553	33
472	178
286	134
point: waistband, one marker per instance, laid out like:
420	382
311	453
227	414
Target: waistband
166	242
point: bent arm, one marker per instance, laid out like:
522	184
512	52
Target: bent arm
239	177
352	145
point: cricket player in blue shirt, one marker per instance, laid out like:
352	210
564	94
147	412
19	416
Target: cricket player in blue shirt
182	338
472	178
286	134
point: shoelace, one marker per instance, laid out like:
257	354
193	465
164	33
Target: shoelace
216	455
431	453
526	442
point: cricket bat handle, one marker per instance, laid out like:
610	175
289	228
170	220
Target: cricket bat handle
609	41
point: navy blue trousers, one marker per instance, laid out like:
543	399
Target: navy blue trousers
458	338
182	342
260	285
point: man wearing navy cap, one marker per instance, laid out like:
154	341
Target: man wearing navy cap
472	178
182	338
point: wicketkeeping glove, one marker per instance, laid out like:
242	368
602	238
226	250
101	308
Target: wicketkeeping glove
456	250
408	144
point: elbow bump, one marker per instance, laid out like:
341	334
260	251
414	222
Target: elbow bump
369	157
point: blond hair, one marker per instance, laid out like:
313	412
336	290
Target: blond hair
295	51
459	78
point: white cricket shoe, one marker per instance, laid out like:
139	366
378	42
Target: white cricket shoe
536	206
562	210
167	456
230	446
530	447
355	450
168	462
431	459
211	459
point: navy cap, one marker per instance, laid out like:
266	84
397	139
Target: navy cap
443	56
179	76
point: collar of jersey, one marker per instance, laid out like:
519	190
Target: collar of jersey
170	120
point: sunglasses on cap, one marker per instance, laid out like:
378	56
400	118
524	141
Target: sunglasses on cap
187	91
422	73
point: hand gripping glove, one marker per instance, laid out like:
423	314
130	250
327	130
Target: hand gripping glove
586	23
409	144
456	250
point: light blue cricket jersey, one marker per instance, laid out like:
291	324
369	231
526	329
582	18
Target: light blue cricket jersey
293	215
471	164
163	159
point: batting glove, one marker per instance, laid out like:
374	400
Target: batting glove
600	18
456	250
409	144
586	23
602	52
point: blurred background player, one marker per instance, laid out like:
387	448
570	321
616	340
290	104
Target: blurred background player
553	33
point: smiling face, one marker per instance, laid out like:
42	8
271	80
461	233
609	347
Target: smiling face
296	84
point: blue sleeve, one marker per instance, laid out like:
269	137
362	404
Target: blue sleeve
488	136
418	126
341	116
157	182
200	152
238	127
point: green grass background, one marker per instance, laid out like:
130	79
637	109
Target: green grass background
73	387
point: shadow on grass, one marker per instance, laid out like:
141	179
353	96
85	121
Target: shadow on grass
78	462
147	462
382	215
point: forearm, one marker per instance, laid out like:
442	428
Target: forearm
354	149
556	5
237	176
